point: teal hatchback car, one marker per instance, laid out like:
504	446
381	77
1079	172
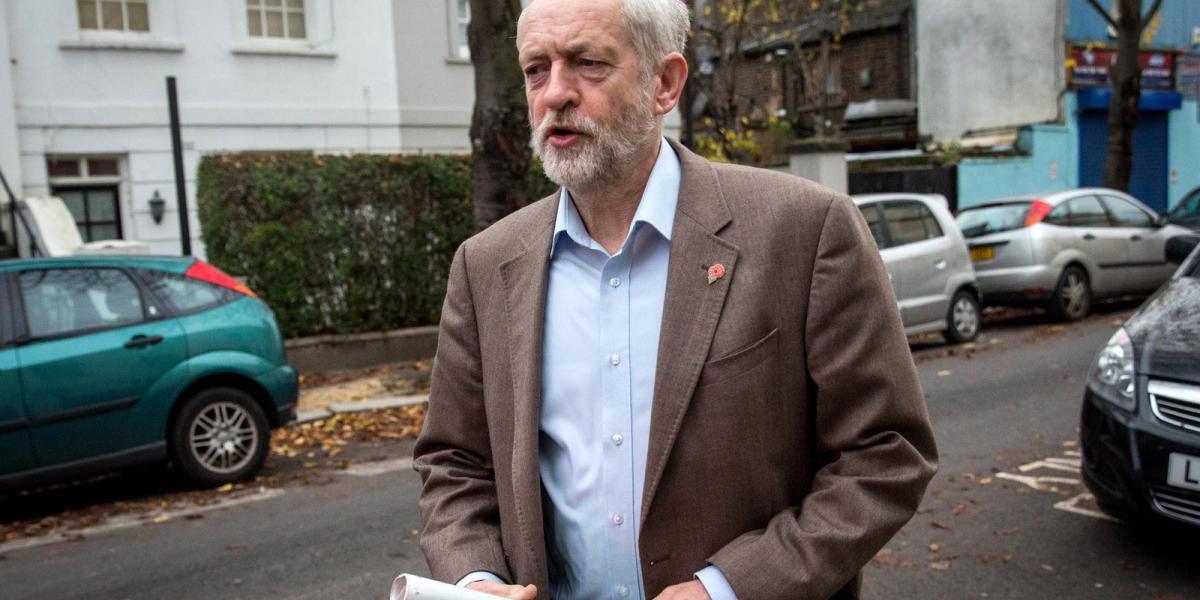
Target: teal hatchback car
110	361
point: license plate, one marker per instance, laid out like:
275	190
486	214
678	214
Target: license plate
1183	471
983	253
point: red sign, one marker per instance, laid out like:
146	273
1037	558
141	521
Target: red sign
1092	66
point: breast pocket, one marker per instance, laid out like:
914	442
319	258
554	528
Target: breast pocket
741	361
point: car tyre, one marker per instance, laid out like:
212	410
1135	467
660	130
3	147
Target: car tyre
220	436
963	318
1072	296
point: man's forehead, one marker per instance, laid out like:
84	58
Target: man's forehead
570	26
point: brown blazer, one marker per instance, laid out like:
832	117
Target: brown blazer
789	438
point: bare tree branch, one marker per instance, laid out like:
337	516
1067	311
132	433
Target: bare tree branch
1104	13
1149	15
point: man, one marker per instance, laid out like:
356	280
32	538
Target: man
673	379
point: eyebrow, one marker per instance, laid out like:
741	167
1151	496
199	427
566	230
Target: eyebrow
571	51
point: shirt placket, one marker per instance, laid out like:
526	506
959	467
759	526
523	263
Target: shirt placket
616	420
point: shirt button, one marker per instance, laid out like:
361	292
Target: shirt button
615	359
615	281
618	519
617	439
622	591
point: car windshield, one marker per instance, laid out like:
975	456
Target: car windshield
1188	207
992	218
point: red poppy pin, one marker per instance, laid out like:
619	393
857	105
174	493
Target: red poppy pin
715	272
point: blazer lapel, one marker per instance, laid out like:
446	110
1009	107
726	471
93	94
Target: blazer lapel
525	278
691	309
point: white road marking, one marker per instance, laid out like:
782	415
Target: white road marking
372	469
1074	453
1038	464
134	520
1072	506
1042	484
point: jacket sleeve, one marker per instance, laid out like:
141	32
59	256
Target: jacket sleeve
872	432
459	510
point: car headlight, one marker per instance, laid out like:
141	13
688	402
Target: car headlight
1112	374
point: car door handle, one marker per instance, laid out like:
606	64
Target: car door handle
1088	236
141	341
1136	238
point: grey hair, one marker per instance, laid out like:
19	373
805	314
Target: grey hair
658	28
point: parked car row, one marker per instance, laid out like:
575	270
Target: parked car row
111	361
1060	251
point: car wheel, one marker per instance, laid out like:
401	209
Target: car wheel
221	435
1072	296
963	318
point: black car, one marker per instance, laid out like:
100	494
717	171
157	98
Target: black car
1140	429
1187	212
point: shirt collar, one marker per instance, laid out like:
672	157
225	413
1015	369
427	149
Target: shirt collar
656	208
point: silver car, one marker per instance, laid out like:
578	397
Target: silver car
927	261
1065	249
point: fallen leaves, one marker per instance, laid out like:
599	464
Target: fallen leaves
327	436
940	565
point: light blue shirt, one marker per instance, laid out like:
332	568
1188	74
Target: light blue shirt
600	352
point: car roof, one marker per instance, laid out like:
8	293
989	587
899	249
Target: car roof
868	198
1051	198
171	264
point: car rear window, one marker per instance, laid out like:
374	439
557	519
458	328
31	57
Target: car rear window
994	218
184	294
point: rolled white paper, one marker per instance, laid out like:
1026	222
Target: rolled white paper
411	587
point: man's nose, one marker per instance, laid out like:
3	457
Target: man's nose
561	91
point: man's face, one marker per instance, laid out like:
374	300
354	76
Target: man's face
590	104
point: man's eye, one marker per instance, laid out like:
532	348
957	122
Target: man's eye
533	70
588	63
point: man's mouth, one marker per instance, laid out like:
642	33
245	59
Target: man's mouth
561	136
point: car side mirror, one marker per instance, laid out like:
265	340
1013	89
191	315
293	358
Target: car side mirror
1161	221
1179	247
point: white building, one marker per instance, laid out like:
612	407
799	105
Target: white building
83	101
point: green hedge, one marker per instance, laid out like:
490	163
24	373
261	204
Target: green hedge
340	244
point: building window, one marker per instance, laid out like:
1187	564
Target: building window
90	189
114	15
96	211
460	19
282	19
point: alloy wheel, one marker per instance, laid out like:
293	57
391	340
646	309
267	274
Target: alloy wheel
223	437
1074	294
966	317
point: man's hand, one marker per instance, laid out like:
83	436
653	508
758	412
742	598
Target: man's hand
513	592
692	590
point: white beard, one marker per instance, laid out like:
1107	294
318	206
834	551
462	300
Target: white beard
603	153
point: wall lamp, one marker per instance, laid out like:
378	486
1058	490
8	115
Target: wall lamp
158	207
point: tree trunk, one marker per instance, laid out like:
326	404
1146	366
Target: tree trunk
499	124
1126	93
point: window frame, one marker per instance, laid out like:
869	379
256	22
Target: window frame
87	224
125	30
24	337
1071	210
455	51
1112	215
167	307
923	207
8	332
887	234
285	10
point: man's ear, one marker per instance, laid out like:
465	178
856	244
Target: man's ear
668	83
